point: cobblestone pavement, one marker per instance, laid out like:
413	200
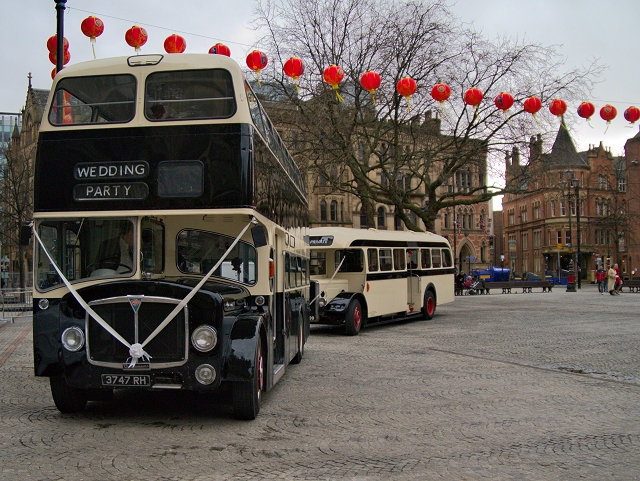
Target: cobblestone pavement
541	386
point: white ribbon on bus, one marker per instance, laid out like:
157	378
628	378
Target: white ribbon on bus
136	350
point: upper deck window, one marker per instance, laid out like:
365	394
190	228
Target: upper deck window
189	95
95	99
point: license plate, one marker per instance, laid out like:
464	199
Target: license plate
117	380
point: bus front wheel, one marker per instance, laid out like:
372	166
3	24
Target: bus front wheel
66	398
248	394
353	318
429	307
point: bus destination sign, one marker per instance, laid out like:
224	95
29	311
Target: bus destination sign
111	170
113	191
324	241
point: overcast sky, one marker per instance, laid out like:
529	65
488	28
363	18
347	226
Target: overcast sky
582	29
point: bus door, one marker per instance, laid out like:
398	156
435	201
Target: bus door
280	259
414	290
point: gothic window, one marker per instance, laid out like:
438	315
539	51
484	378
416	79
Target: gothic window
323	210
382	218
334	210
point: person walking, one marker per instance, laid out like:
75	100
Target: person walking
611	280
601	275
618	286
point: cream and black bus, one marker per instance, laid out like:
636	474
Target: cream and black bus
369	276
169	227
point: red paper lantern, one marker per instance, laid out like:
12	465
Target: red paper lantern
54	72
503	101
558	107
440	92
473	96
293	68
136	37
608	113
92	27
220	49
406	87
257	60
52	43
632	114
586	110
532	105
370	81
53	58
175	44
333	75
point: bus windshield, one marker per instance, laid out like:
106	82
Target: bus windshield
189	95
94	99
198	251
85	248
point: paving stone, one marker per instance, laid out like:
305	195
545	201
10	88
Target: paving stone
540	386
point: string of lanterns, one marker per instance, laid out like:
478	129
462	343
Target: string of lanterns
370	81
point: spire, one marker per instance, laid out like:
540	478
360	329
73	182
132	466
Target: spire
563	152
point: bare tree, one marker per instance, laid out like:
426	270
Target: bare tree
614	219
16	198
390	150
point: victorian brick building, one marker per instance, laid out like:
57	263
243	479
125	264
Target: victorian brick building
574	208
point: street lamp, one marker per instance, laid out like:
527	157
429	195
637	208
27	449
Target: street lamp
568	195
576	187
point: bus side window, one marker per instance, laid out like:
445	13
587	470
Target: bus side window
435	256
426	258
305	271
152	246
385	260
399	263
298	267
372	257
447	260
412	258
287	270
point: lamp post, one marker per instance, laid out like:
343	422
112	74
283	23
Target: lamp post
568	195
576	187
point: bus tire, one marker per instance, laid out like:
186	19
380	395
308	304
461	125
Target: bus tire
429	307
248	394
353	318
298	357
66	398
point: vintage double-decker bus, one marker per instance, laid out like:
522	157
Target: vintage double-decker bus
169	224
369	276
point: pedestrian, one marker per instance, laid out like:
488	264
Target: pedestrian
611	280
618	286
601	277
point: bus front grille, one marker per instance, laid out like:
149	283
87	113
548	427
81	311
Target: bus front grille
168	348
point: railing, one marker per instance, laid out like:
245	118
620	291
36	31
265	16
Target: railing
16	303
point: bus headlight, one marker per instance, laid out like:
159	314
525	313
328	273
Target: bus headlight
322	302
72	339
205	374
43	304
204	338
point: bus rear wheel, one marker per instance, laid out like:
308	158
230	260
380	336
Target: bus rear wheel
429	307
298	357
247	395
66	398
353	318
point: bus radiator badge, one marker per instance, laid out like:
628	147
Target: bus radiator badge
134	302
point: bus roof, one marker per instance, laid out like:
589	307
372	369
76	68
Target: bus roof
114	65
346	236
